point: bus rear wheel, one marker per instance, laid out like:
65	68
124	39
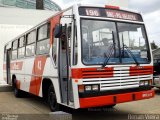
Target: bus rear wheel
52	101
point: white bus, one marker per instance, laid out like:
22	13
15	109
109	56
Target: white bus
85	56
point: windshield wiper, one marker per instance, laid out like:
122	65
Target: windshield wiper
108	57
110	53
134	58
128	50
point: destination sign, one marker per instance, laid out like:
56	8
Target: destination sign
121	15
110	13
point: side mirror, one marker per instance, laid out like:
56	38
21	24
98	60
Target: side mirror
58	31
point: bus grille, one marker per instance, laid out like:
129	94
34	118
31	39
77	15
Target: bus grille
94	73
123	78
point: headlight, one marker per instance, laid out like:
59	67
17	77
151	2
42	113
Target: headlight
145	83
141	83
88	88
95	87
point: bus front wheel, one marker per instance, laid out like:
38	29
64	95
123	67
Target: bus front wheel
52	99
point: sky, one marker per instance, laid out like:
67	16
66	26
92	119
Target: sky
149	8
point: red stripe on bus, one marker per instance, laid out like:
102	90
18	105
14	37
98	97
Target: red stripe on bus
114	99
79	73
37	71
35	83
16	66
141	70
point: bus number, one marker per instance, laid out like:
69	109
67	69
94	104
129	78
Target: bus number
92	12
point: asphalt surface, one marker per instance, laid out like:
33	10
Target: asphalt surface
35	108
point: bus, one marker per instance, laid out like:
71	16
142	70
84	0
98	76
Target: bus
84	56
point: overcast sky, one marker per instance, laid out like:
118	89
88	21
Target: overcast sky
150	9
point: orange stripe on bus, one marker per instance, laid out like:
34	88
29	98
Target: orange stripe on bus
39	64
55	20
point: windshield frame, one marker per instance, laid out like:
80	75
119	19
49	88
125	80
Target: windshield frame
116	23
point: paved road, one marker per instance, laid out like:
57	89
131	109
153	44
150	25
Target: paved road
31	106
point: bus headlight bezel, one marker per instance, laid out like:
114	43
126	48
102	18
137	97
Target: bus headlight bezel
88	88
144	83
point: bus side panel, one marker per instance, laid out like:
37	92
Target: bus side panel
51	73
13	69
25	85
18	70
42	63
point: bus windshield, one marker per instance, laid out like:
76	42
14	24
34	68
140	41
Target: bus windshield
115	42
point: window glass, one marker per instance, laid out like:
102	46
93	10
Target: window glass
55	51
75	49
99	42
30	50
31	37
43	47
14	54
4	57
15	44
133	42
21	52
21	42
43	32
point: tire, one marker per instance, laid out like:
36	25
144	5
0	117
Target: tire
17	92
111	106
52	100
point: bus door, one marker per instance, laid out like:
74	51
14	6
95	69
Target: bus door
8	59
64	55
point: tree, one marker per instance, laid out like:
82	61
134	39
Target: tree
153	45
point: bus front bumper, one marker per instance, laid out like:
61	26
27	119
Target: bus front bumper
115	99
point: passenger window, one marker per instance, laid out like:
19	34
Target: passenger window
30	50
15	45
43	47
14	49
21	48
43	40
21	42
21	52
75	47
14	54
30	47
43	32
31	37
